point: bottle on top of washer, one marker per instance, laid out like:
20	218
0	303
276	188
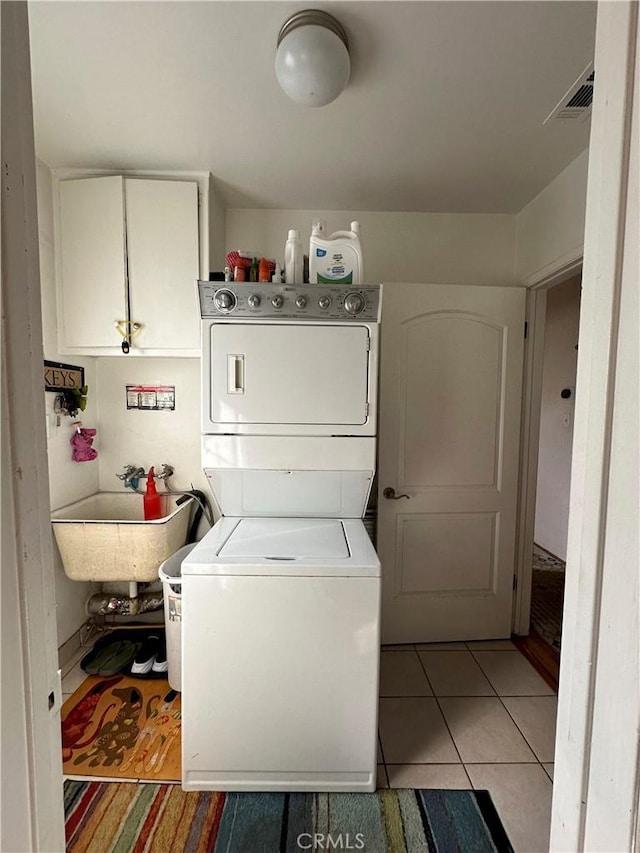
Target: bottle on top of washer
264	270
293	258
336	259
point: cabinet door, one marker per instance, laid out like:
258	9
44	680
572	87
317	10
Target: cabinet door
92	287
162	253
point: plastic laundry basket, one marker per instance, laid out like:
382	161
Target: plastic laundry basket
170	575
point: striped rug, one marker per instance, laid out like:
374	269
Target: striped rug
120	817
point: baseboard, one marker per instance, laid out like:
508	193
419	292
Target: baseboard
544	658
70	648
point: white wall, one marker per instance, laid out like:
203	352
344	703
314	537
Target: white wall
556	434
217	215
69	481
550	229
410	247
148	438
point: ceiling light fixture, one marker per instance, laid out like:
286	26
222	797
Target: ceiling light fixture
312	58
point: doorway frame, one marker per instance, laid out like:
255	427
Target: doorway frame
536	308
596	798
32	781
576	776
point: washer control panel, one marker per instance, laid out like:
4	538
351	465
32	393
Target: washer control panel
248	300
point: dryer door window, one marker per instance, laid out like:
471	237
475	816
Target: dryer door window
288	374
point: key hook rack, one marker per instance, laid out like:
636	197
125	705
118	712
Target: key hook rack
70	401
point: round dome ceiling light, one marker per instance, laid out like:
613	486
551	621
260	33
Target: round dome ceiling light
312	58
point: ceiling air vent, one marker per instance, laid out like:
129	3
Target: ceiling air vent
576	103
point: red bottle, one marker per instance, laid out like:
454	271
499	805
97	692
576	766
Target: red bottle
264	271
152	501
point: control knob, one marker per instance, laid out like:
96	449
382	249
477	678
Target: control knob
324	302
353	303
301	302
225	301
254	300
277	301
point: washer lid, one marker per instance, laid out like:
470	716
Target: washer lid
287	539
293	547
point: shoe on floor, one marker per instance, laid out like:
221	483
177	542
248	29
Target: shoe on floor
160	663
146	656
111	658
92	663
120	659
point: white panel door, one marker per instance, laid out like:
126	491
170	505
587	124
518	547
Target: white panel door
451	377
163	262
289	374
92	264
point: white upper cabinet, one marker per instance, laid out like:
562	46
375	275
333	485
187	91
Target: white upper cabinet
128	259
93	263
162	257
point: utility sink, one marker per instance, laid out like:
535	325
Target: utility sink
105	538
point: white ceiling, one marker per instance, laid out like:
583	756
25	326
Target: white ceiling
443	112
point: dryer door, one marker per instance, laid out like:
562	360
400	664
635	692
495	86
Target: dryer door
264	376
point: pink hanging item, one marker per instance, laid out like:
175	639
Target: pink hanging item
81	443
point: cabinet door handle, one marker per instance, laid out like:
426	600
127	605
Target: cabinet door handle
127	329
390	494
235	374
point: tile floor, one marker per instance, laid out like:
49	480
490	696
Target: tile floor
460	715
471	715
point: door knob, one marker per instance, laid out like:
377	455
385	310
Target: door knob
390	494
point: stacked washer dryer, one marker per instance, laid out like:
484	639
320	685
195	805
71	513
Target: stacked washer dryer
281	599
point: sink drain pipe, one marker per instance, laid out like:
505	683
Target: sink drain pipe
111	604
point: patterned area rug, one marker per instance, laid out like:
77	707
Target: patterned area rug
122	727
128	818
547	596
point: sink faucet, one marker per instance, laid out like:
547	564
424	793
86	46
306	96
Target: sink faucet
131	476
166	472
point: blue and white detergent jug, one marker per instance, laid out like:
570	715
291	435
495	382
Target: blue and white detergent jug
336	259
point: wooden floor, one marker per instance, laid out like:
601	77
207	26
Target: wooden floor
542	656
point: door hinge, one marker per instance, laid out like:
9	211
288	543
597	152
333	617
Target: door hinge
366	410
515	582
526	329
368	344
